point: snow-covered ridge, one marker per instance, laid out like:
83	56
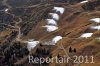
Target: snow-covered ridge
59	9
31	44
50	28
56	39
51	22
84	1
95	20
86	35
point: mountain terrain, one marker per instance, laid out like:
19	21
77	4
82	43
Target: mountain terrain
49	28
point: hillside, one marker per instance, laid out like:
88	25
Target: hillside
50	28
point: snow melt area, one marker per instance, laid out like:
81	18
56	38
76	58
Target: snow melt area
54	16
51	21
95	27
84	1
50	28
32	44
6	10
95	20
59	9
86	35
56	39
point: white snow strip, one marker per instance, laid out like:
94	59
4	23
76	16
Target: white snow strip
86	35
50	28
56	39
51	21
59	9
95	20
32	44
54	16
6	10
95	27
84	1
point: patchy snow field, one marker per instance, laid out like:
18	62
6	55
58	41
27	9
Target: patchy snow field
84	1
95	27
32	44
86	35
50	28
54	16
59	9
56	39
51	22
6	10
95	20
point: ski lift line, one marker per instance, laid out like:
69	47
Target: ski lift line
64	49
78	64
63	28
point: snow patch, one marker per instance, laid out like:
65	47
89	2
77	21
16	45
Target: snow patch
54	16
84	1
59	9
95	27
95	20
6	10
31	44
86	35
50	28
51	21
56	39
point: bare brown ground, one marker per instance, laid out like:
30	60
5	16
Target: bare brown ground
75	25
4	34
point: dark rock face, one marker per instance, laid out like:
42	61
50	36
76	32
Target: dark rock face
12	54
91	5
67	1
61	1
15	3
18	3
